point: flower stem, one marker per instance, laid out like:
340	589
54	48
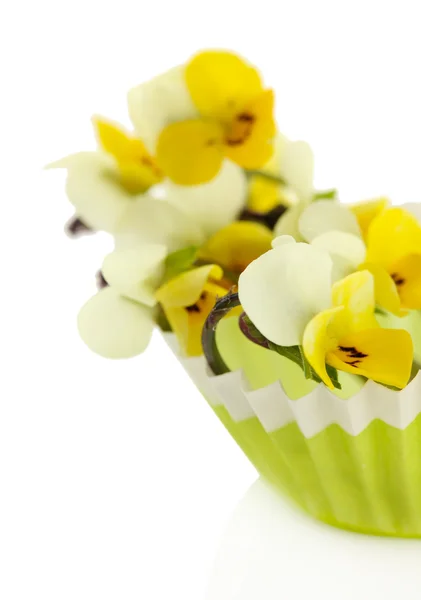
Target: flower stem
210	349
274	178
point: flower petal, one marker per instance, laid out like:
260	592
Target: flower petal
187	322
297	168
235	246
221	83
384	355
392	235
385	289
407	277
347	251
115	327
284	289
136	272
94	189
319	339
157	103
325	215
215	204
367	211
281	240
191	152
148	220
288	223
355	294
185	289
138	169
248	141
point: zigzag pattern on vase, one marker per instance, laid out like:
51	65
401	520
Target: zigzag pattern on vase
312	413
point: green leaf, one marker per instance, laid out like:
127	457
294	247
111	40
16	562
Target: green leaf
180	261
331	194
306	364
296	354
251	332
293	353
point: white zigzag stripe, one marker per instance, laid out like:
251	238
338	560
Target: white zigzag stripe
312	413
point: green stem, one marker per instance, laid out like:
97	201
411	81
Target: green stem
210	349
274	178
325	194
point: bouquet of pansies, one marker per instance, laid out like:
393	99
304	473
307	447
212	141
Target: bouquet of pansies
296	316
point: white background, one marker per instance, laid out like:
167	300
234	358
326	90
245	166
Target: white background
116	481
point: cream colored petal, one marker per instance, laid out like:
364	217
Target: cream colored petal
136	272
215	204
273	166
287	224
294	162
284	289
158	102
414	208
346	250
93	189
152	221
281	240
326	215
297	168
113	326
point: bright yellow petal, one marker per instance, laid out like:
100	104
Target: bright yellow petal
319	339
138	169
367	211
234	247
384	355
264	194
185	289
191	152
187	322
356	294
385	290
406	274
249	138
392	235
221	83
115	141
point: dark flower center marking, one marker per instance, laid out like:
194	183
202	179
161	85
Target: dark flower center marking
269	219
353	354
196	308
398	279
241	130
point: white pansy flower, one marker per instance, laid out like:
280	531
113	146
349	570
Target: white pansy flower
282	290
288	295
118	321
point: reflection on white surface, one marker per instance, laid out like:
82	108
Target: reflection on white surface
272	551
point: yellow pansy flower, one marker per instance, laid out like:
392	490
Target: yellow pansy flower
214	108
104	184
390	250
348	337
187	301
234	247
138	170
287	294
